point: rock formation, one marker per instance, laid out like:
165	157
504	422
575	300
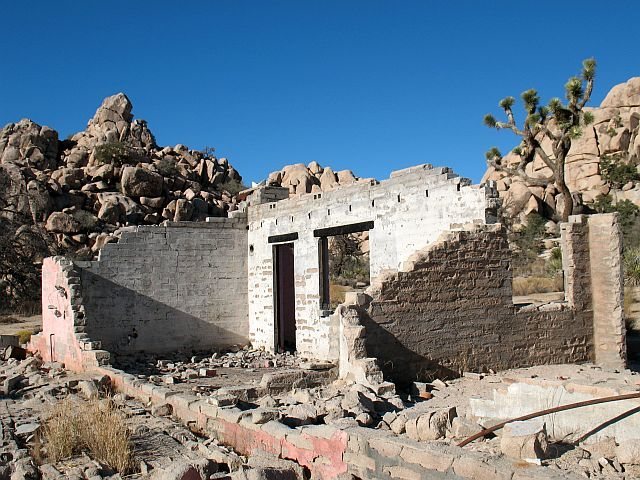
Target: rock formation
301	179
614	132
84	189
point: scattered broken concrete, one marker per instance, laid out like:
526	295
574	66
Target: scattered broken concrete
164	448
336	429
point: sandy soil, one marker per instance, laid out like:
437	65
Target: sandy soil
10	324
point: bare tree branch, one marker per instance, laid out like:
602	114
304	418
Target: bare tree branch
539	182
587	94
508	126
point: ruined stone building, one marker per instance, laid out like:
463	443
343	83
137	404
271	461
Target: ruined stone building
439	303
440	298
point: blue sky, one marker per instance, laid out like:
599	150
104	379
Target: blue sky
373	86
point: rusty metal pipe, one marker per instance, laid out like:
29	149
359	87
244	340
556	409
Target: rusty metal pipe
548	411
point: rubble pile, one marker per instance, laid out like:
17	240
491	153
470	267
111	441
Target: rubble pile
271	389
238	357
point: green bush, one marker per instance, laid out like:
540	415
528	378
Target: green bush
627	213
117	153
528	241
616	171
628	218
554	264
632	266
167	167
24	336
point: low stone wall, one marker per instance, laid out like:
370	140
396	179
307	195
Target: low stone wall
327	451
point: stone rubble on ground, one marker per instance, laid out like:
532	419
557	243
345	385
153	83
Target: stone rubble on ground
166	449
441	417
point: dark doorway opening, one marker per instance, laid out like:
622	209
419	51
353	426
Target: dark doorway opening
285	300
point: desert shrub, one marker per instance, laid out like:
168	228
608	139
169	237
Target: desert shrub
603	204
527	243
346	258
529	285
61	431
117	153
529	239
22	249
616	171
233	187
107	436
631	261
629	301
24	336
167	167
627	213
97	427
355	268
554	264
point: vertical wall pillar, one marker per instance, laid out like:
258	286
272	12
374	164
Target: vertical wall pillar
594	285
607	286
575	263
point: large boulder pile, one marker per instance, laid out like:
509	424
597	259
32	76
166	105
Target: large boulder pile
312	178
614	133
107	176
82	190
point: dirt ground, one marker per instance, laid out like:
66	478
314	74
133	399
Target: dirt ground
11	324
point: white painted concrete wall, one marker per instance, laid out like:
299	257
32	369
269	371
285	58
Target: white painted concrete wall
409	210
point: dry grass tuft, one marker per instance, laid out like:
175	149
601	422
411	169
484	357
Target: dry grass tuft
529	285
24	336
96	426
337	293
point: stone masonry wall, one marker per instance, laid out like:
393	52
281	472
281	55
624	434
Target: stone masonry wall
451	310
181	286
409	211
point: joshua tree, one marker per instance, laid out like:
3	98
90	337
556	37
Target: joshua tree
557	122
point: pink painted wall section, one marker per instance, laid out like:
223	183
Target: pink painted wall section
322	456
62	338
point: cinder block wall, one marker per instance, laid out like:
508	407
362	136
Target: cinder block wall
160	289
450	309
